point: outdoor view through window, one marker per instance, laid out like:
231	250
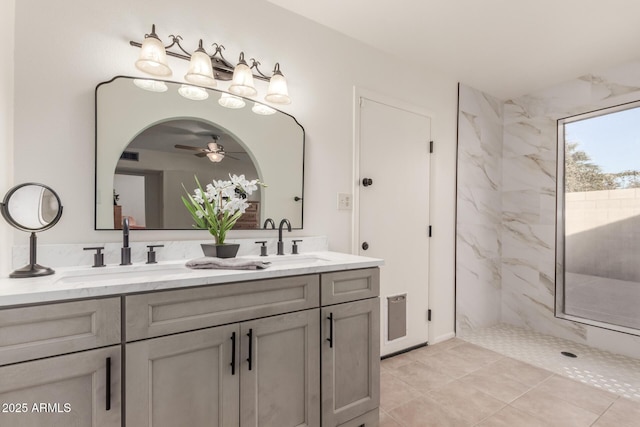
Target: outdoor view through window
599	217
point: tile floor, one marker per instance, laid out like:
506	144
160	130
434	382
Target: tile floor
457	383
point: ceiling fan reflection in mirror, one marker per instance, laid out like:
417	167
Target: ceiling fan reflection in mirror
213	151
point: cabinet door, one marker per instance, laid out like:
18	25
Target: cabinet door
280	376
187	379
76	390
350	360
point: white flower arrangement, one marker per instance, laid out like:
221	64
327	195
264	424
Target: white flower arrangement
219	206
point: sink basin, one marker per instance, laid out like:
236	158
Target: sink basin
133	272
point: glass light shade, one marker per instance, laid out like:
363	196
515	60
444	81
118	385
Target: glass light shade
278	93
215	157
153	58
262	109
200	70
150	85
242	82
230	101
193	92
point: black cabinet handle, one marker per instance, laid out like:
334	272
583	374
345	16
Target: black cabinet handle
233	353
330	339
108	385
249	359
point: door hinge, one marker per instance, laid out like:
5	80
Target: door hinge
431	146
429	315
429	231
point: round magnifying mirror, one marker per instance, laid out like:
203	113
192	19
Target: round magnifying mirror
31	207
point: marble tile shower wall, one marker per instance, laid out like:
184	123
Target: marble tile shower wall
529	192
479	217
507	202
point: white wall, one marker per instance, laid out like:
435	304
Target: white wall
7	14
87	43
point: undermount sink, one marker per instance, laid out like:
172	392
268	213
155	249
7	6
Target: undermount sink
152	271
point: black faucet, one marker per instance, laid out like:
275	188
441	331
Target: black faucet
125	252
267	222
280	244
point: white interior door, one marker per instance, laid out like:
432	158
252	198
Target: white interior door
393	211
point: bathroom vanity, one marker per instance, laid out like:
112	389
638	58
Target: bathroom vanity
296	344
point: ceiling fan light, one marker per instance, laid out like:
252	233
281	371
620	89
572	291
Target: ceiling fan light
278	92
151	85
194	93
200	69
230	101
153	57
242	82
215	157
263	110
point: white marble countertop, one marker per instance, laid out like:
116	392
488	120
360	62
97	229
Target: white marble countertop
74	283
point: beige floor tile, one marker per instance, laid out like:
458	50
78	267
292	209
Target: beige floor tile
421	377
425	412
512	417
395	361
496	384
476	353
554	411
519	371
582	395
452	364
466	402
387	421
394	392
623	413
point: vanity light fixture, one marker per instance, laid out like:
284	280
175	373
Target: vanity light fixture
200	69
153	56
231	101
205	69
278	93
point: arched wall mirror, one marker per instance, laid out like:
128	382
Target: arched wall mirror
31	207
148	144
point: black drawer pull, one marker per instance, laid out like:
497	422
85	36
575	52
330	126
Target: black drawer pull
249	359
108	385
233	353
330	339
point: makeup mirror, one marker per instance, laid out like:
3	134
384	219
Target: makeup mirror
31	207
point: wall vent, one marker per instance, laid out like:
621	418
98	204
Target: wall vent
130	155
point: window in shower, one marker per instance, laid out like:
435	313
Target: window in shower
598	226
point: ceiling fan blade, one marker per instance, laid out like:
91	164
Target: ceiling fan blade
231	157
188	147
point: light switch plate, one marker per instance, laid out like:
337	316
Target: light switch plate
344	201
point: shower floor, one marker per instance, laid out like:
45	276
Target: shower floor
608	371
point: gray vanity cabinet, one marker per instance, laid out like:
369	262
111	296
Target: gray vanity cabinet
60	364
75	390
179	368
282	386
263	372
187	379
350	348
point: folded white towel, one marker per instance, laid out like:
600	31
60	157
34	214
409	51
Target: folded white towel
208	262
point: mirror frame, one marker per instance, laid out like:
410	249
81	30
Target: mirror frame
95	204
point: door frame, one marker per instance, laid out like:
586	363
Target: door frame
359	93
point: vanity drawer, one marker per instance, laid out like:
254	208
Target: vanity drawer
370	419
46	330
350	285
161	313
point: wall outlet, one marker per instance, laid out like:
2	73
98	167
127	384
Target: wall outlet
344	201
